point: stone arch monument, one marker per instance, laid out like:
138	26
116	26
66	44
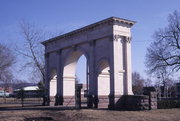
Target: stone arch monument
107	48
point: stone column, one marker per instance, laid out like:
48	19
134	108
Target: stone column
117	67
112	74
118	45
59	96
92	75
47	81
128	67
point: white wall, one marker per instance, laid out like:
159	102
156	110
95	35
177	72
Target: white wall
53	87
103	78
104	84
69	86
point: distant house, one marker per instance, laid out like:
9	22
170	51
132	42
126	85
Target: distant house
4	94
29	91
7	89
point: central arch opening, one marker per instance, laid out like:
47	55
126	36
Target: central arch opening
75	72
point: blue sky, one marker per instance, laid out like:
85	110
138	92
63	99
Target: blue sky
66	15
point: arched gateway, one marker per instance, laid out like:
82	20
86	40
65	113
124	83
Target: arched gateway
107	48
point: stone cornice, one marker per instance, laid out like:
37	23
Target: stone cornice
111	20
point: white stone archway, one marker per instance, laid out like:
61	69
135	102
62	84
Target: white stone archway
109	39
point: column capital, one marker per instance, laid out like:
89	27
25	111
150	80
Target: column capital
123	38
116	37
128	39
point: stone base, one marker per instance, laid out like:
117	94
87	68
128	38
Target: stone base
69	101
55	100
52	101
117	102
103	102
83	101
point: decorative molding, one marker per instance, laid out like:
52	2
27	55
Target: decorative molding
69	78
116	37
128	39
121	71
104	73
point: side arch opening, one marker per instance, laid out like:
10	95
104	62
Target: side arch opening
103	83
53	83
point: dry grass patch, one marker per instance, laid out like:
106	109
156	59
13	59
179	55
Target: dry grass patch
45	114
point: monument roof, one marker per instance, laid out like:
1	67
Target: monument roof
120	20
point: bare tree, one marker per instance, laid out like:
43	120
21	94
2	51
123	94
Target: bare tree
148	82
6	61
137	83
164	81
32	50
164	51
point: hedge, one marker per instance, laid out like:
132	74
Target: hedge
165	104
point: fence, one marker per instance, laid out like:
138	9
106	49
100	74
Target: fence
26	101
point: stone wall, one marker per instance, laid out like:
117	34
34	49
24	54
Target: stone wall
132	102
125	102
137	102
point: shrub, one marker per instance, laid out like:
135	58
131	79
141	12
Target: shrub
165	104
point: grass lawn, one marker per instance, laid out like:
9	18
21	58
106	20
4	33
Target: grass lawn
59	114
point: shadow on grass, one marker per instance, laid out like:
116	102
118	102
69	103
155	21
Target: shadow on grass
39	119
37	107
